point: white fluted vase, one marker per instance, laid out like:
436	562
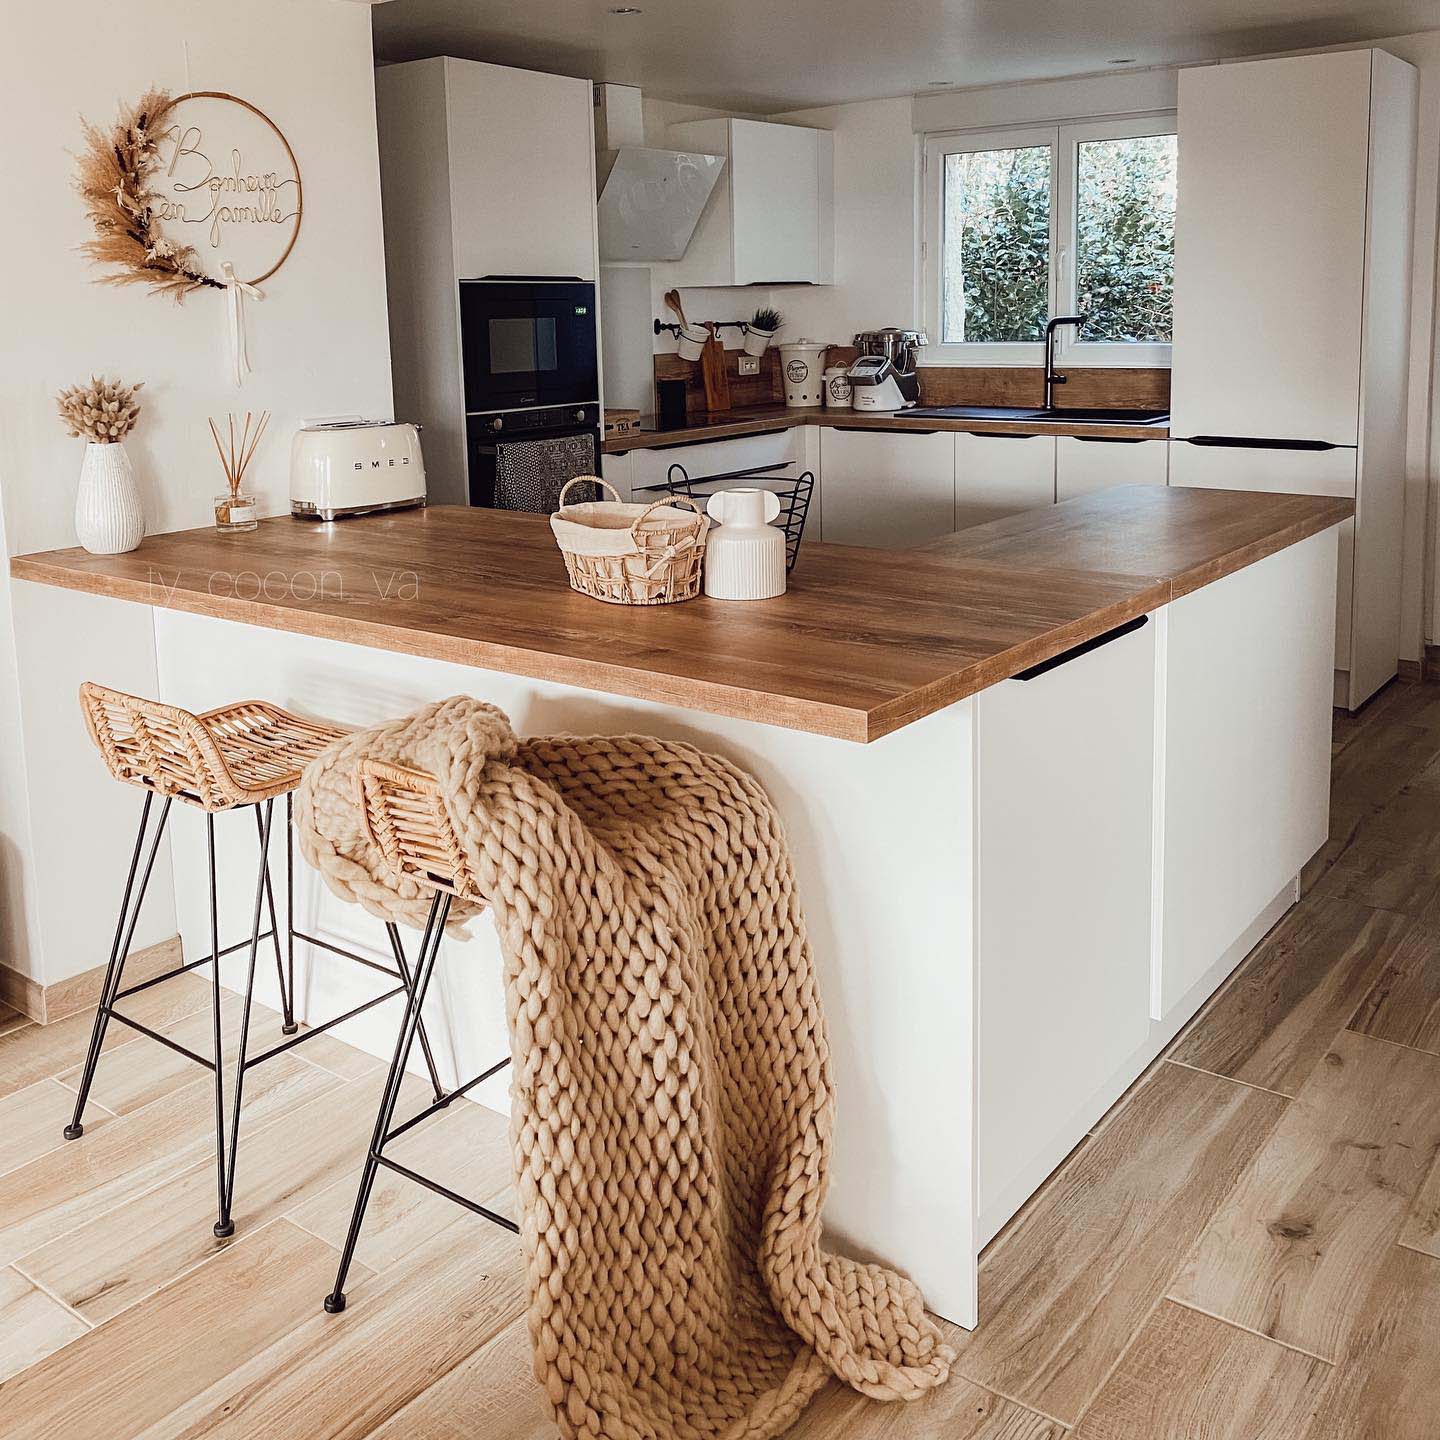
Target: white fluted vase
108	517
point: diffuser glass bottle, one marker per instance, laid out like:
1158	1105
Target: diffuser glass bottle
236	510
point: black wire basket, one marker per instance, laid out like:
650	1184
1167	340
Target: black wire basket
792	491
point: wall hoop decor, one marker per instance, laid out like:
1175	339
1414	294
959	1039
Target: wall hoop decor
192	192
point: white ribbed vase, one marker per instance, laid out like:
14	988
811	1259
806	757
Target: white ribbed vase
745	554
108	517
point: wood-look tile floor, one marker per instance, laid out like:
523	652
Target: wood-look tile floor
1246	1248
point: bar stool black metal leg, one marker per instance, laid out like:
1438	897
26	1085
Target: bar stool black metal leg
119	948
225	1226
286	1010
424	969
287	985
399	952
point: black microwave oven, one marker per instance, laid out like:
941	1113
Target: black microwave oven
528	342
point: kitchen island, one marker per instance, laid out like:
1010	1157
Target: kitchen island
1045	783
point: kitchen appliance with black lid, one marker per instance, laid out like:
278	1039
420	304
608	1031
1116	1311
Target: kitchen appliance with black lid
883	377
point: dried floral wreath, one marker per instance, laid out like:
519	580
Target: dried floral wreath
113	179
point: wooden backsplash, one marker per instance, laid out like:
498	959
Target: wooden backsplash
1087	386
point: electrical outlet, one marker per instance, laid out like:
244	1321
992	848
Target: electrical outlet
749	364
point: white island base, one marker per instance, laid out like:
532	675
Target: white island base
1014	904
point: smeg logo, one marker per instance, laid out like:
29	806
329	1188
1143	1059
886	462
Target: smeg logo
389	464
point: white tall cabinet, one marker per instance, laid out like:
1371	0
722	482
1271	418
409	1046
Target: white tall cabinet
1292	267
484	170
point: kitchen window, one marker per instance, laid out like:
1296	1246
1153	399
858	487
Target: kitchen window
1056	220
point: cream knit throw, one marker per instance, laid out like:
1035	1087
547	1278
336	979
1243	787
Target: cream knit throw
671	1109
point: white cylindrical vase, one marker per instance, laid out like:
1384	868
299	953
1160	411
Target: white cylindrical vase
108	517
745	554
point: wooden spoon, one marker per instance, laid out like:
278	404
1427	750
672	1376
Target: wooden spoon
672	299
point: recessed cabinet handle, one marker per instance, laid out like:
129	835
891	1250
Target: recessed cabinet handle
876	430
1111	439
1005	434
1245	442
1066	656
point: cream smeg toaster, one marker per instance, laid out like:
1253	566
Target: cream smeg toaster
353	467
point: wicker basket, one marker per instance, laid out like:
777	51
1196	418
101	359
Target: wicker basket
631	554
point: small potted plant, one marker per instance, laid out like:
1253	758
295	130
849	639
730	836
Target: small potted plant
760	329
109	519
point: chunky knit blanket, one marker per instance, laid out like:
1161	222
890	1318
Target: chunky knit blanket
672	1106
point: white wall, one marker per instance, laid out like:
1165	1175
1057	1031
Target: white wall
319	344
875	226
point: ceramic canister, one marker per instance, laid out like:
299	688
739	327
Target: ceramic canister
801	363
837	388
745	554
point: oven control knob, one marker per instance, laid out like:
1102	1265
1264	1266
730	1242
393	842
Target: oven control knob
498	423
580	416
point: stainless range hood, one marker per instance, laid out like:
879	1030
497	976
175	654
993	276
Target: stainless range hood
650	199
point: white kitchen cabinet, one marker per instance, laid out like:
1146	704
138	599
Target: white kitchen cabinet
1292	294
639	474
1064	767
522	171
1270	247
484	170
616	470
998	475
1085	464
770	218
1244	763
783	448
1289	472
886	489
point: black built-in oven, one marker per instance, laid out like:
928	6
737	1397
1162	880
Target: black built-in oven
528	342
532	389
522	459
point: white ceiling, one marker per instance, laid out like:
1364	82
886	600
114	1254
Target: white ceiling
770	55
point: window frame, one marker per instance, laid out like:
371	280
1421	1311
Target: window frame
1064	140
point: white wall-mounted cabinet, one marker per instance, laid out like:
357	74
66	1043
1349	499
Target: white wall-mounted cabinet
770	219
1001	474
1292	305
885	489
1085	464
484	170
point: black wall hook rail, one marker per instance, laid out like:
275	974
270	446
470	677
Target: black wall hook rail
743	326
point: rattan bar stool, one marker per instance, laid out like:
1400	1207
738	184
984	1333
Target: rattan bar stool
403	813
241	756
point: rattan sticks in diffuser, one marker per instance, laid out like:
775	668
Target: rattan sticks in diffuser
235	510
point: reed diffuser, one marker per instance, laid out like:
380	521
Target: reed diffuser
235	510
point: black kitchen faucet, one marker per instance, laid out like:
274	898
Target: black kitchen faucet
1051	378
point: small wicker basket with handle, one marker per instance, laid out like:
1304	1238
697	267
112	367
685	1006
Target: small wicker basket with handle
631	554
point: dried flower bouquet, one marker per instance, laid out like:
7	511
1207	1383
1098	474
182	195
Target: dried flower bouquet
104	411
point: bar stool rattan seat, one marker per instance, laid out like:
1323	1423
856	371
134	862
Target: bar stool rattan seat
245	755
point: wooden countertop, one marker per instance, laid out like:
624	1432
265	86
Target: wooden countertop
864	642
760	419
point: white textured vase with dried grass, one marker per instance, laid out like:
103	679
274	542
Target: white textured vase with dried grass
109	519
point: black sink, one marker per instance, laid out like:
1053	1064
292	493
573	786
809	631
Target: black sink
1044	417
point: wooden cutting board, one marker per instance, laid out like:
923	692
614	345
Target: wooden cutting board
714	374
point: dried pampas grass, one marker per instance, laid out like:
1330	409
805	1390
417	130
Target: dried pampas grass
112	178
104	411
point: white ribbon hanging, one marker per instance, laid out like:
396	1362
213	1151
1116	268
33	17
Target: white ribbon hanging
235	291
